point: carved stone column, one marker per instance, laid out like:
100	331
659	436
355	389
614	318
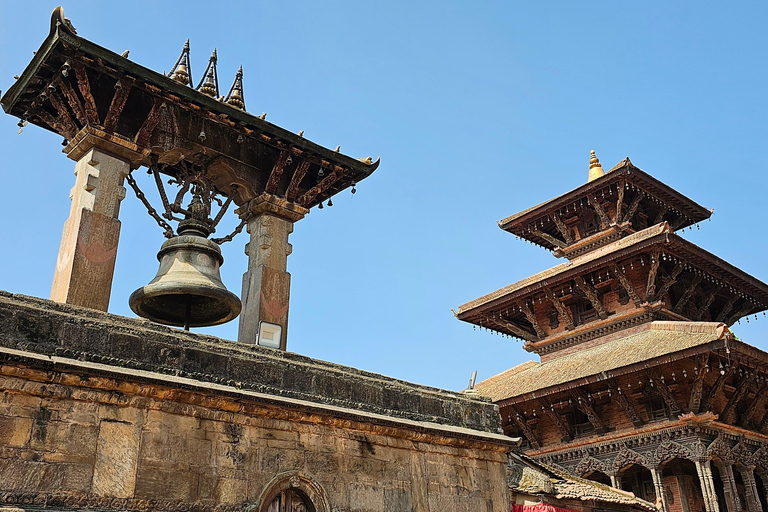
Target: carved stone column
750	489
764	479
704	470
86	260
658	486
267	284
729	487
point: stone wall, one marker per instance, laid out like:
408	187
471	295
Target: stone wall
77	431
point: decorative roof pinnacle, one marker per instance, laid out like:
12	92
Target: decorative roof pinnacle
595	169
209	84
235	95
182	70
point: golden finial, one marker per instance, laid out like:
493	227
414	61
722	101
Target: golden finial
235	94
595	169
209	84
182	70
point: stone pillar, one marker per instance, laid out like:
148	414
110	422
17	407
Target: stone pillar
704	471
267	284
658	486
86	261
729	487
750	489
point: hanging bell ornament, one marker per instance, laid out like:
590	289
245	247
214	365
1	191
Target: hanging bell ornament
187	290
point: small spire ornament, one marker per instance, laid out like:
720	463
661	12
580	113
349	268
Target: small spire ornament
235	95
182	70
595	169
209	84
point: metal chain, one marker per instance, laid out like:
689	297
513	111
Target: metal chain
232	235
168	230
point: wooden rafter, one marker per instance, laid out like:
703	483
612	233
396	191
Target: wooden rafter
755	404
717	387
562	311
745	309
633	207
666	394
704	306
627	403
500	325
549	238
67	123
582	403
595	204
562	228
48	119
277	171
527	432
662	212
298	175
554	417
321	187
697	387
620	202
726	309
531	317
591	294
116	107
72	99
729	411
763	426
84	85
627	285
650	289
145	132
687	294
669	280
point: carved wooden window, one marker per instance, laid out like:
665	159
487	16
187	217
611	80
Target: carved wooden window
581	424
657	409
585	312
622	295
589	225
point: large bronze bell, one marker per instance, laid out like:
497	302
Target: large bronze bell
187	290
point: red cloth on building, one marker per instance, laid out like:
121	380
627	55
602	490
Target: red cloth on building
539	507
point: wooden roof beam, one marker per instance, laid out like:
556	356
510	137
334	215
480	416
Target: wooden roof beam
591	294
554	417
697	387
717	387
729	411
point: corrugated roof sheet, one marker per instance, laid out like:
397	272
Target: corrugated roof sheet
655	340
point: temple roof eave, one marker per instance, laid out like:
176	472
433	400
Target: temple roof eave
654	235
60	35
623	170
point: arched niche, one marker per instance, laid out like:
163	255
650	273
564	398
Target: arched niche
293	492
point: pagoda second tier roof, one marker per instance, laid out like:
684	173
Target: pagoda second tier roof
655	343
688	211
232	133
658	235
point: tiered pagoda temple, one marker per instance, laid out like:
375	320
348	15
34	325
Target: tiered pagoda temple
640	383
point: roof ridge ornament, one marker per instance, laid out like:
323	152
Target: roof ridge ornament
235	95
182	70
209	83
595	169
59	20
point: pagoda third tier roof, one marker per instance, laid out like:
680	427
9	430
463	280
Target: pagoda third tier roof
77	88
624	182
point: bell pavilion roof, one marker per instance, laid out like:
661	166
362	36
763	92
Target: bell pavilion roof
77	88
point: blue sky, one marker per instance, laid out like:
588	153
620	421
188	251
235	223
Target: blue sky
478	110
